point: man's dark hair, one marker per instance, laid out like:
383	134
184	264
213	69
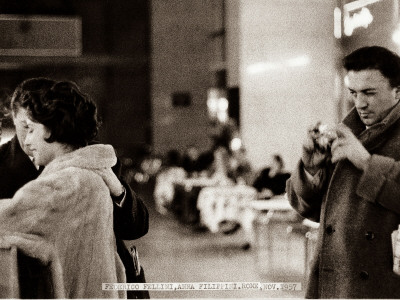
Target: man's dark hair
69	114
375	58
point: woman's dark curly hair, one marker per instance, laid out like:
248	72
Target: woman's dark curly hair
69	114
21	93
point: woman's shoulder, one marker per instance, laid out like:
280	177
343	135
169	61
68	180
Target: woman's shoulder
69	178
69	183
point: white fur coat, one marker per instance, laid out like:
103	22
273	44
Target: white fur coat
69	205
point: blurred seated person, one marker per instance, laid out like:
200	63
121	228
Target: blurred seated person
170	173
218	164
220	153
189	161
272	180
240	168
204	164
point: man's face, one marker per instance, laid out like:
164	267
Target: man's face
372	95
20	118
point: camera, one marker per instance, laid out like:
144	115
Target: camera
323	137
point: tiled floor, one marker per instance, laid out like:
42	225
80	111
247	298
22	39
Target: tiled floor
173	252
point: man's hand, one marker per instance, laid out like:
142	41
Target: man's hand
347	146
313	157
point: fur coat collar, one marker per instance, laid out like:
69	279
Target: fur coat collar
90	157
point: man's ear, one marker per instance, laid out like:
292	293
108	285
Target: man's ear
13	117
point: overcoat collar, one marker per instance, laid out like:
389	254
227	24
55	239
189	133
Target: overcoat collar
375	135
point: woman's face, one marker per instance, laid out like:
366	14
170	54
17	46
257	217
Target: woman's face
19	118
43	152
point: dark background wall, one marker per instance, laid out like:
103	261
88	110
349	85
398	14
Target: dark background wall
187	53
113	68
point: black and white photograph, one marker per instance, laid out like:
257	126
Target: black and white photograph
199	149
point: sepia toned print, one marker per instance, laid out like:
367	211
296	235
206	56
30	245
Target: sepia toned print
247	160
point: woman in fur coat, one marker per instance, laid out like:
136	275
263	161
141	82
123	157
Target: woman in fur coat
69	204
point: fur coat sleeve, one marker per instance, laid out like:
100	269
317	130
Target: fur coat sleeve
72	209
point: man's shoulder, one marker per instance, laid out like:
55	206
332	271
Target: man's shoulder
13	157
13	150
5	150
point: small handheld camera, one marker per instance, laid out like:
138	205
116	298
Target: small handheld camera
323	137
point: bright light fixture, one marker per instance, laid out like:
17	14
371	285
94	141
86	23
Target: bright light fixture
337	17
298	61
396	35
236	144
262	67
360	19
358	4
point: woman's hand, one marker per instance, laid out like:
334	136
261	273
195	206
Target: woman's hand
112	181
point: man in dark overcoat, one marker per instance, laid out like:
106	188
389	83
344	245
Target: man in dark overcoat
352	186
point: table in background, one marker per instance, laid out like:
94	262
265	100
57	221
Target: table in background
283	241
219	205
